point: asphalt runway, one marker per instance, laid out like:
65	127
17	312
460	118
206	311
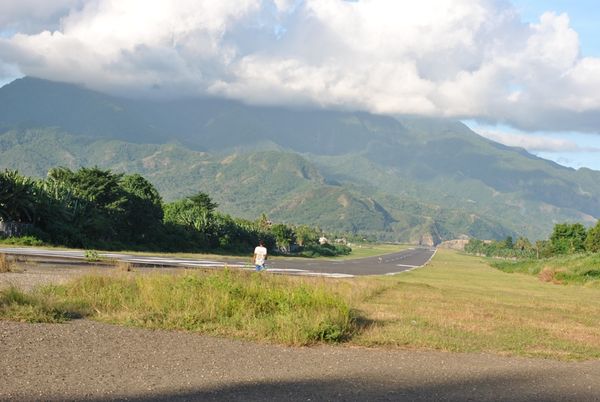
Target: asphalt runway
388	264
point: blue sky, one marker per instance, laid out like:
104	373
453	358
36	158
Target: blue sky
584	15
584	18
508	69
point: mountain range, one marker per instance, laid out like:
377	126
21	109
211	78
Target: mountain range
395	178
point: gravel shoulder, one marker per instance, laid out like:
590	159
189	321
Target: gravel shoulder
87	360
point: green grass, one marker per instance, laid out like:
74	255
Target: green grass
35	307
231	303
582	269
368	250
29	241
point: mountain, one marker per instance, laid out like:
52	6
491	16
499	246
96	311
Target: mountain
408	178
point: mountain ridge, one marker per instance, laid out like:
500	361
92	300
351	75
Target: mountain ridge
395	164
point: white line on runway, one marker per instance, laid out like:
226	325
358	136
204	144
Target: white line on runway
408	266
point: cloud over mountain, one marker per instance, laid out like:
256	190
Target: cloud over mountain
458	58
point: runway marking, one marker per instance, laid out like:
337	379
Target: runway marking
408	266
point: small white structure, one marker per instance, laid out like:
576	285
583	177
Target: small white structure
323	240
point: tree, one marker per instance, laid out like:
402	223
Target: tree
568	238
185	213
105	199
284	236
17	197
204	201
142	210
592	241
306	235
263	222
523	244
61	214
196	214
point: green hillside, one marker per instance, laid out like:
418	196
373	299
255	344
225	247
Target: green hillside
402	179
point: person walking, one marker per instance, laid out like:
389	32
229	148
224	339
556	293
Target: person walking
260	256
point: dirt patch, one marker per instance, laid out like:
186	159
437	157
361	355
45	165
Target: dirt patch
28	275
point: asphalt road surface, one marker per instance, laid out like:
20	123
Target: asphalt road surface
388	264
89	361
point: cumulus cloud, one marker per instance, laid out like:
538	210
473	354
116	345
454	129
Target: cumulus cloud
455	58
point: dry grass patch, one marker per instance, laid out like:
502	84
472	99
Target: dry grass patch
6	264
124	266
459	303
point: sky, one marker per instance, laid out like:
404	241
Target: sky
525	73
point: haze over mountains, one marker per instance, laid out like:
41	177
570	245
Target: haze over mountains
410	179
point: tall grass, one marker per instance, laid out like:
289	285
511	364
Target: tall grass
5	263
40	307
583	269
238	304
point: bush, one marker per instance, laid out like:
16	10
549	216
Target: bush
325	250
22	241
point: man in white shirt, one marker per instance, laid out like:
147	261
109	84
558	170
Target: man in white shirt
260	256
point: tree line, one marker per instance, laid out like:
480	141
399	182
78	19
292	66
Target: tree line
94	208
566	238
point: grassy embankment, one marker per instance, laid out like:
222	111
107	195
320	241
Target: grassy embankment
457	303
582	269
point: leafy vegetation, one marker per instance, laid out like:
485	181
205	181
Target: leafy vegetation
561	259
21	241
97	209
580	269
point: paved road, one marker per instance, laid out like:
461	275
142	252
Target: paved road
385	265
88	361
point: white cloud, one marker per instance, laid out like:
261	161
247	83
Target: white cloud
535	143
457	58
32	16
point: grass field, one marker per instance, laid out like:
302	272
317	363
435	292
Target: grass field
457	303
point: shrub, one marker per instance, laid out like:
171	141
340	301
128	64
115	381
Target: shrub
22	241
325	250
91	256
